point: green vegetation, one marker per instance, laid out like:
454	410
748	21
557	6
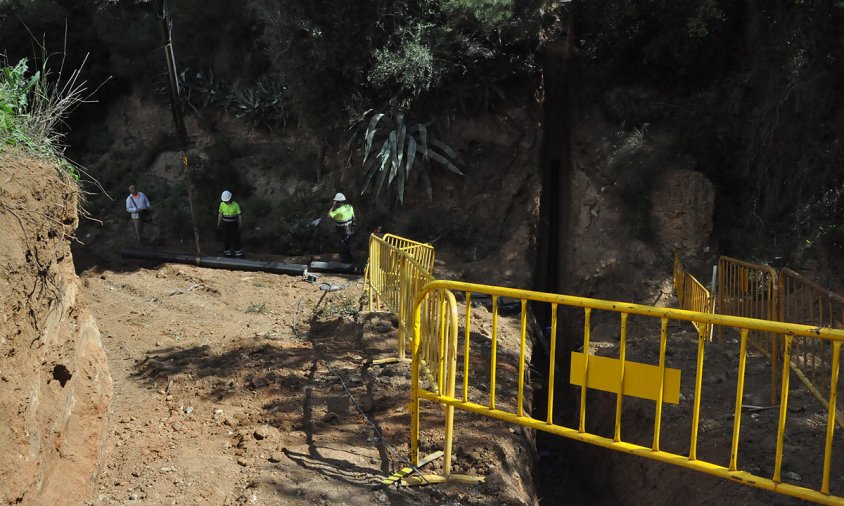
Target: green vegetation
409	62
336	59
392	151
339	305
315	64
260	104
286	227
403	59
746	93
750	95
488	13
33	106
257	307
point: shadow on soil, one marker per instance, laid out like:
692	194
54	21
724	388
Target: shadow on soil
322	385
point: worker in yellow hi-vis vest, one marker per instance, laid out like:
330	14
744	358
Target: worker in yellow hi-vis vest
343	215
229	222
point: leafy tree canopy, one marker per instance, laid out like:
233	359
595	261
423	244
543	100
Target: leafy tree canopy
339	59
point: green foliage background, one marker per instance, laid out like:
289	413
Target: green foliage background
750	91
339	59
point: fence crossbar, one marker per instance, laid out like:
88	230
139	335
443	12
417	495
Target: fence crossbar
499	408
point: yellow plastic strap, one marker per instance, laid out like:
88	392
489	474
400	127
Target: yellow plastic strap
407	470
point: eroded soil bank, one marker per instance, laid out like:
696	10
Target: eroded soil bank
54	377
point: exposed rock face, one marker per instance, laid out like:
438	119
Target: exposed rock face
682	209
53	371
607	259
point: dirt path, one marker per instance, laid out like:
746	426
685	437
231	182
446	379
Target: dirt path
253	388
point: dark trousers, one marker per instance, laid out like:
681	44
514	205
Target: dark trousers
231	238
345	247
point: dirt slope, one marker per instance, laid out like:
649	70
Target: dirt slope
54	379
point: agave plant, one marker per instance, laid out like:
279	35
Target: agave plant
394	147
259	103
203	84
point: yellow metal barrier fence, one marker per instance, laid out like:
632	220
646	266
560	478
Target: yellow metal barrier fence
803	301
751	290
691	294
621	375
398	268
382	275
423	253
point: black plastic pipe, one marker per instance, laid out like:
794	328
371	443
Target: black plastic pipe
240	264
334	267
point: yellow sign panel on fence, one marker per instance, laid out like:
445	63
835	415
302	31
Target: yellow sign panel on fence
640	380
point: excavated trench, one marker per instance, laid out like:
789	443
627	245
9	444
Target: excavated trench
561	473
568	471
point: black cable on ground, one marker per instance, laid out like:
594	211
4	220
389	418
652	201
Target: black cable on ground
388	449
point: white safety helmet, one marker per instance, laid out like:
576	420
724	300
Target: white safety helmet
226	196
339	198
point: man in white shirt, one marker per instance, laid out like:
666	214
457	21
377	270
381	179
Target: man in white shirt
138	206
138	203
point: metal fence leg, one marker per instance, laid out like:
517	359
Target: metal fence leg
451	362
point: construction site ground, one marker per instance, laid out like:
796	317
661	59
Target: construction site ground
236	387
241	387
233	387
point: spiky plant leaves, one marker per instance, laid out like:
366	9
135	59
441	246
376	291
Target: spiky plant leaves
400	178
423	139
383	171
399	152
394	165
411	153
259	103
444	147
352	132
439	158
370	132
400	142
371	168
